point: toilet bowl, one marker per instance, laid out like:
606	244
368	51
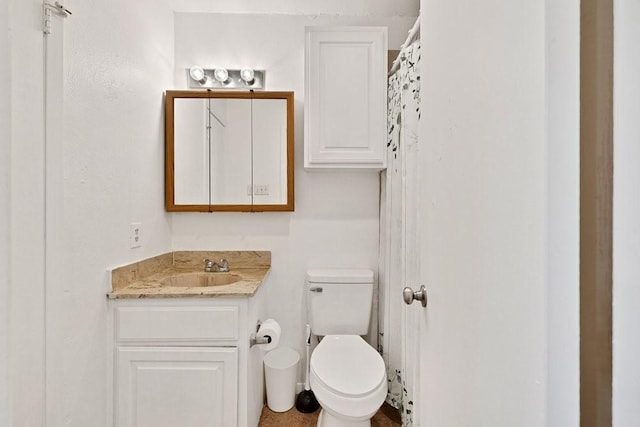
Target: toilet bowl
346	374
348	378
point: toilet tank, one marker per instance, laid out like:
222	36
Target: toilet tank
339	301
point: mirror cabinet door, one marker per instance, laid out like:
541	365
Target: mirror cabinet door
269	151
229	151
191	152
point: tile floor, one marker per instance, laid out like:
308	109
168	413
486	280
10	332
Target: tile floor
294	418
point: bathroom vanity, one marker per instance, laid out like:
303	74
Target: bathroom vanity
180	352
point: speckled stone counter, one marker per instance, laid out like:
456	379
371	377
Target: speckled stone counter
144	279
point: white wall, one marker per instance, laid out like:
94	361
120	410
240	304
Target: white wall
335	223
563	210
5	214
626	214
308	7
27	213
106	171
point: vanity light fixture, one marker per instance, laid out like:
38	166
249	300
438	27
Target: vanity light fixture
221	75
225	78
197	73
247	75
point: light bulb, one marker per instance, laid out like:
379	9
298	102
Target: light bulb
197	74
247	75
221	75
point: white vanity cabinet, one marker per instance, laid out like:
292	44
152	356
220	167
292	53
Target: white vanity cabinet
177	386
345	97
185	362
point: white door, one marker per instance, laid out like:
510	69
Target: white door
482	214
411	228
400	236
176	386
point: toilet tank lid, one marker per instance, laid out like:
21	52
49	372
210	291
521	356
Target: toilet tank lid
340	275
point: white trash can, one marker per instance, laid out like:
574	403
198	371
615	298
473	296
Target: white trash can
280	371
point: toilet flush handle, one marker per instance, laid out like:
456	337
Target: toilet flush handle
316	289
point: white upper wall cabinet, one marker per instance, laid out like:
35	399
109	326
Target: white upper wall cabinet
345	97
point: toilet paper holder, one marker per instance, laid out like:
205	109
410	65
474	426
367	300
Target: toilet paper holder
254	339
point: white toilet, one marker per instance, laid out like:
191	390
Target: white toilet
347	375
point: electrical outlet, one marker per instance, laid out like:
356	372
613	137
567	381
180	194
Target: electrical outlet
262	190
135	235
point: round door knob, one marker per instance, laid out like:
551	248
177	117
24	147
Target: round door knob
409	296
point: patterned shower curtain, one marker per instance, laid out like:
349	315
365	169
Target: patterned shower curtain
398	234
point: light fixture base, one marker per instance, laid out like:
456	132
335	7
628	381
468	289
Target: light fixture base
233	82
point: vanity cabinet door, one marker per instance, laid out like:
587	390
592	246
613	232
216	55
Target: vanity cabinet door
345	97
176	386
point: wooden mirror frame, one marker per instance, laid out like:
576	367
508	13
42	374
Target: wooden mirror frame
170	205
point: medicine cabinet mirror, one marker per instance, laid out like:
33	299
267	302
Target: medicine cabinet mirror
229	151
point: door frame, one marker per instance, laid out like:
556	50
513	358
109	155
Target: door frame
596	211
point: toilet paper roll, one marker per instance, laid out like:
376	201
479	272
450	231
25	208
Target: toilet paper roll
269	328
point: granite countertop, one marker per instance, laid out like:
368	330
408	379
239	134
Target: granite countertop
145	279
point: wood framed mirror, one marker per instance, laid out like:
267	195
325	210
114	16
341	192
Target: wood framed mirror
229	151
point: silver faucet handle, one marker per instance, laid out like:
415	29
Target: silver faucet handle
209	265
224	266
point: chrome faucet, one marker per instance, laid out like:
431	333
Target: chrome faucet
213	267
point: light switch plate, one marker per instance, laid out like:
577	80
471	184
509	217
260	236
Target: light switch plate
262	190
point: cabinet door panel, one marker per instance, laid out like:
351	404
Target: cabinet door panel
345	99
176	386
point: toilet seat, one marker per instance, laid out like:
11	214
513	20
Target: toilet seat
348	376
347	365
